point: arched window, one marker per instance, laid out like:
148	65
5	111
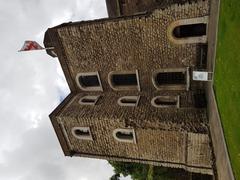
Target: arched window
82	133
89	100
124	135
89	81
128	100
171	79
165	101
188	30
124	80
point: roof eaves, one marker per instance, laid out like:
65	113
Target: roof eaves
57	127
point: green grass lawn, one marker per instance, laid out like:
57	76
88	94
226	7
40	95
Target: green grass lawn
227	77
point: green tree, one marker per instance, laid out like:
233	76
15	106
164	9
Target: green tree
115	177
135	170
147	172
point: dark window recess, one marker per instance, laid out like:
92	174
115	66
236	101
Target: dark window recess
124	80
89	81
86	100
168	78
190	30
201	177
80	132
165	102
202	56
122	6
138	2
122	1
121	9
128	101
124	135
200	99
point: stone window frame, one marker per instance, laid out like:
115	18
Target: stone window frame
172	86
125	130
89	137
96	98
92	88
137	98
124	88
176	98
187	40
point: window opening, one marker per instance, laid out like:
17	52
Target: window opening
124	80
185	31
124	135
89	81
89	100
128	100
171	79
190	30
165	101
163	78
82	133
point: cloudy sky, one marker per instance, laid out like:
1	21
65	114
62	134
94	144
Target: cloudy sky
31	86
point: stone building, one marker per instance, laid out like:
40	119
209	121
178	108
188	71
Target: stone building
130	7
132	94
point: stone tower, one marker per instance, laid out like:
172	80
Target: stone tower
132	94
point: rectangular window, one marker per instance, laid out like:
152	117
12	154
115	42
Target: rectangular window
165	78
200	99
202	56
124	79
122	6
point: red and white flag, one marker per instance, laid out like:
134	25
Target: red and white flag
31	45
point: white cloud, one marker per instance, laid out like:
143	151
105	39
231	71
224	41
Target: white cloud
32	84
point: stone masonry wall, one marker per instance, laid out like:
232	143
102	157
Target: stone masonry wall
129	44
176	147
172	136
144	115
135	6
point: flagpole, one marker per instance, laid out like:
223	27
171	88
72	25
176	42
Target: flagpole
48	48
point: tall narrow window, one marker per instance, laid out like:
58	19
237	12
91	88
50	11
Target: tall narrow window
171	79
165	101
201	56
200	99
188	31
126	80
89	81
82	133
89	100
124	135
128	100
122	1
